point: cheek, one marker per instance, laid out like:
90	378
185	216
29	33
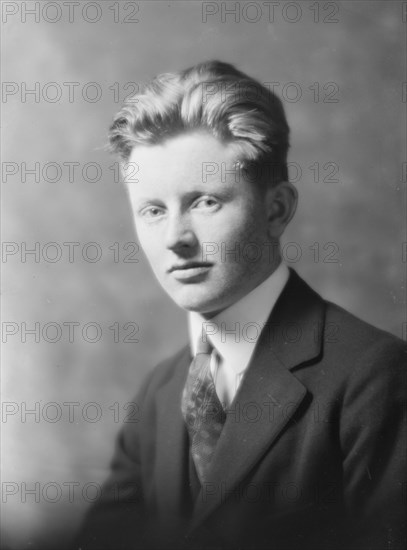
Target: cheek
244	227
243	241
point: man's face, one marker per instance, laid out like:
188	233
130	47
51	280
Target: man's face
204	230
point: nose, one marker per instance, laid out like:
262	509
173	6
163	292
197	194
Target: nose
179	233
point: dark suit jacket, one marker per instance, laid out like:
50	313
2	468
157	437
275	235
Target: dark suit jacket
311	455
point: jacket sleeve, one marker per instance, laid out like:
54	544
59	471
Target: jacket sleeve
117	520
373	440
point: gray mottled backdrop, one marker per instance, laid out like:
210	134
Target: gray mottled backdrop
86	292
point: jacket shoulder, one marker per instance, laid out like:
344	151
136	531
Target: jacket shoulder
362	354
353	331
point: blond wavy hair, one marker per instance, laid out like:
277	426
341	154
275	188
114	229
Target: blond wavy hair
214	96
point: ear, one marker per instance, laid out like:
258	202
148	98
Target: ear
281	203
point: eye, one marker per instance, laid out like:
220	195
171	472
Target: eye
152	212
206	203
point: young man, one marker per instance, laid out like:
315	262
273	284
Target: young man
269	430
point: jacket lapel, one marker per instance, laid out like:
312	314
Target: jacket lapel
171	467
269	394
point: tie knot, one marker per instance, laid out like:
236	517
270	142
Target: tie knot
204	345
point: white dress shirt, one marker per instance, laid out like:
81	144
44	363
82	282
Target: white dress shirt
234	333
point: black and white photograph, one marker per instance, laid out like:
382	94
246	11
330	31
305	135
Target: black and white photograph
204	269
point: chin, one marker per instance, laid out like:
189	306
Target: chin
194	306
194	303
207	308
201	298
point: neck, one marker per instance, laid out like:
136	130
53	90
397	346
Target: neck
273	266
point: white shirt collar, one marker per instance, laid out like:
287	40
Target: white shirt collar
234	332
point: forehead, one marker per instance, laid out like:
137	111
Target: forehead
191	155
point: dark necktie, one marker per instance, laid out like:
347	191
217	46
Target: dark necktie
202	410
